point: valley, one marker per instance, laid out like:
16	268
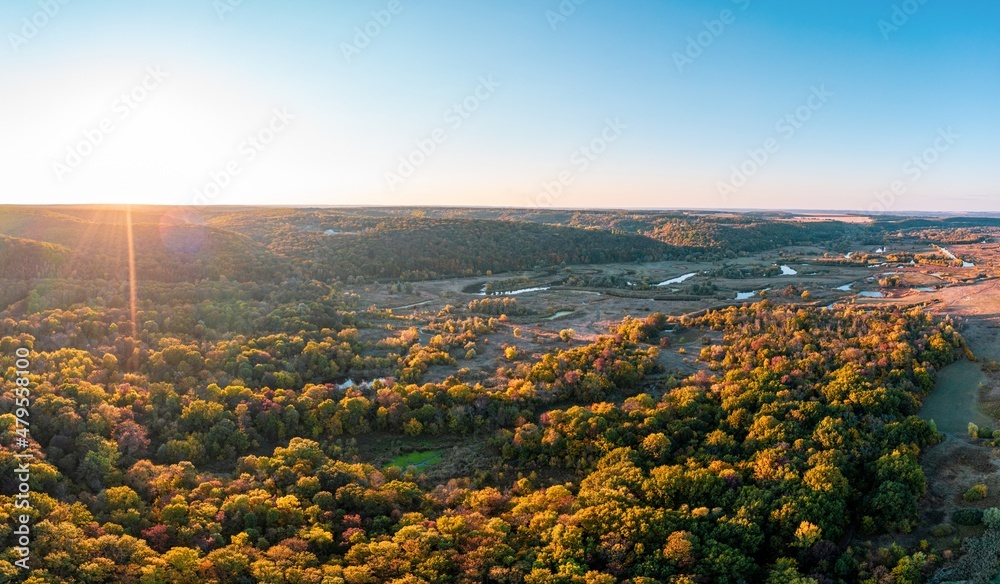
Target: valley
756	394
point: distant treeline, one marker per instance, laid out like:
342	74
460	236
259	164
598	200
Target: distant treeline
267	245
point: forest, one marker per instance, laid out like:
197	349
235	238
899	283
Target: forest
228	439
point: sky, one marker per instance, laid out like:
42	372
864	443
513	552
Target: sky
862	105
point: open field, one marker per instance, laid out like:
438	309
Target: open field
419	460
955	400
828	278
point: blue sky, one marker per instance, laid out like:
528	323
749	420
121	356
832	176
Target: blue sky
637	103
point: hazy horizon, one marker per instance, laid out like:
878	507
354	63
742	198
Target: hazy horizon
819	212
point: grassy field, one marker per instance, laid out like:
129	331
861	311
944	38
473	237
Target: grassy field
955	399
423	459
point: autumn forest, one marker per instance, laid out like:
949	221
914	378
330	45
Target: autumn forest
417	396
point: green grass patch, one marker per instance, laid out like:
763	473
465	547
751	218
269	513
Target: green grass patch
955	399
423	459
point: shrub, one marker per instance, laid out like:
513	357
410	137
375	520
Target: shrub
943	530
868	526
973	430
980	558
976	493
991	518
967	516
413	427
